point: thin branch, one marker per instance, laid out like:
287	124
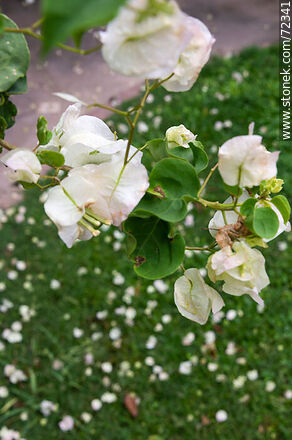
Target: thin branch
6	145
31	33
107	107
207	180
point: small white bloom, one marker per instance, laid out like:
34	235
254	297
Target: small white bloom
231	315
166	319
221	416
270	386
245	161
160	286
188	339
96	404
55	284
23	164
115	333
77	332
241	268
86	417
288	394
108	397
47	407
210	337
3	392
151	342
106	367
149	360
252	375
212	366
239	382
66	424
194	298
179	136
185	368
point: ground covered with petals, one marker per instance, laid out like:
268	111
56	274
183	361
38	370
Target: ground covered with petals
90	351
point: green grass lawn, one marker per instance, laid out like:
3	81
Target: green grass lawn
172	406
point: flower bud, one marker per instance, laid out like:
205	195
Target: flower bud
179	136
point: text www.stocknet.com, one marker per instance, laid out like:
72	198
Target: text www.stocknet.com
285	70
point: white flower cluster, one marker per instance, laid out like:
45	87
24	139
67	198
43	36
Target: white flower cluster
99	188
155	39
245	162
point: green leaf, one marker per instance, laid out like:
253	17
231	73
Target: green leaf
166	178
19	87
247	210
26	185
14	56
43	134
283	206
8	112
65	18
154	253
158	149
169	210
200	156
265	222
1	24
51	158
176	178
233	190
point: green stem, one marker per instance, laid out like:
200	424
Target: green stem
31	33
107	107
216	205
6	145
207	180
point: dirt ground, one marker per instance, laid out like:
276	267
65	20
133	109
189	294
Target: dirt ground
234	23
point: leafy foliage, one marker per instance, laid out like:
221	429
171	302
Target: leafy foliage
51	158
7	113
65	18
43	134
15	56
155	253
173	179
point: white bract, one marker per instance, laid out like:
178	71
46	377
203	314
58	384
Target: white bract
241	268
146	39
179	136
245	161
194	298
193	57
109	190
83	139
23	164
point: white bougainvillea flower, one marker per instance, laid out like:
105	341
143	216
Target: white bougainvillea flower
120	190
194	298
23	165
231	217
66	204
145	39
193	58
241	268
107	190
245	161
83	139
179	136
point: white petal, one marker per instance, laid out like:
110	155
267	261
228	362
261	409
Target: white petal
60	208
193	58
68	97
